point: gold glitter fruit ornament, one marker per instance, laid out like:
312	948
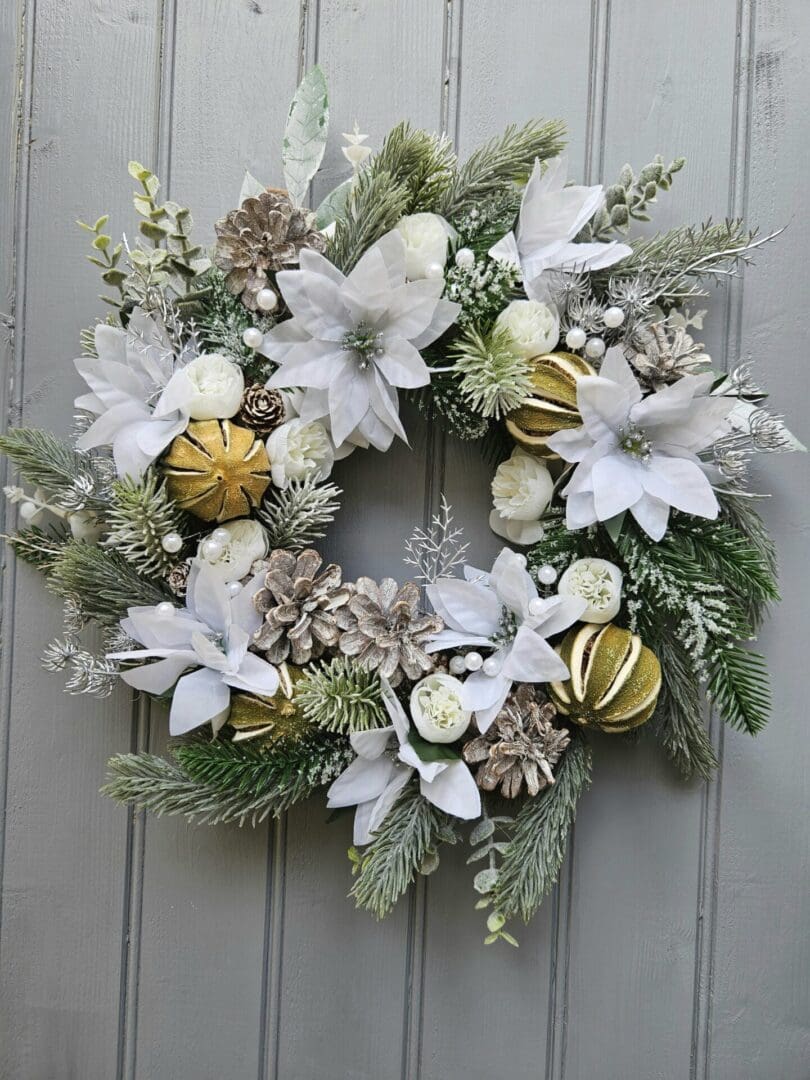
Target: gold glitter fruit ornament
615	680
552	405
270	720
217	470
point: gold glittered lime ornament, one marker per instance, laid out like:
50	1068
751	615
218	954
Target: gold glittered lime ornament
615	679
216	470
270	720
552	405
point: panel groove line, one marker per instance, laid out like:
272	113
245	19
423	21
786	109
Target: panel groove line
18	140
712	795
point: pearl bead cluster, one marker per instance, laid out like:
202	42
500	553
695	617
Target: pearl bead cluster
576	338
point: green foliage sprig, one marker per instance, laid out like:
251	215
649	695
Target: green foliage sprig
494	377
341	696
629	199
73	478
299	514
101	582
139	516
106	256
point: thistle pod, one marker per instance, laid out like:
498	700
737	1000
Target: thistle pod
615	679
552	405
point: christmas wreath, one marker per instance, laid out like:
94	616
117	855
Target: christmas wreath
517	309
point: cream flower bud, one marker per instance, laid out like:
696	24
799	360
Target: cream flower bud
299	450
533	326
247	543
521	490
598	582
436	709
426	238
214	386
84	525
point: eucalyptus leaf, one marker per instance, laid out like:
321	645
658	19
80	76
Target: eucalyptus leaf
305	134
484	880
334	205
484	829
250	189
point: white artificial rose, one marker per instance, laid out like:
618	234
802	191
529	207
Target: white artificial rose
521	490
213	387
596	581
298	450
247	543
426	238
533	326
436	708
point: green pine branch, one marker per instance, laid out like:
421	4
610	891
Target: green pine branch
140	515
102	582
740	688
38	547
375	205
45	461
299	514
678	717
339	695
420	161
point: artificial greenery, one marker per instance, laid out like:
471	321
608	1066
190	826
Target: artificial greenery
629	199
38	547
495	377
418	160
410	834
339	695
101	582
374	206
73	478
221	321
140	515
107	257
297	515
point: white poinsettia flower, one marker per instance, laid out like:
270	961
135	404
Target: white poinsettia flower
502	611
639	453
375	778
551	215
299	449
211	634
521	490
354	339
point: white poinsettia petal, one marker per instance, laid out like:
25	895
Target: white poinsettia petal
616	368
363	780
382	806
309	259
371	744
385	408
316	302
603	404
243	610
580	258
198	698
705	422
532	659
444	315
207	596
652	515
411	307
280	339
512	582
480	691
668	406
145	625
255	676
681	483
159	677
571	445
580	510
402	365
557	614
348	401
393	706
428	770
454	639
312	363
485	717
454	791
617	484
465	606
506	251
104	430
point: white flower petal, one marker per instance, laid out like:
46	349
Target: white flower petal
312	363
531	659
466	607
384	803
371	744
402	365
198	698
652	515
557	614
349	401
682	484
317	303
603	404
617	484
512	582
454	791
255	676
616	368
579	258
580	510
481	692
363	780
159	677
571	445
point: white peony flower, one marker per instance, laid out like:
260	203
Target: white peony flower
599	583
436	708
247	543
210	387
533	326
426	238
521	491
299	449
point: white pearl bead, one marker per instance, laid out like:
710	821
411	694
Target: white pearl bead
595	348
165	610
234	588
172	542
253	337
222	536
457	665
491	666
613	317
211	550
547	574
473	661
575	338
266	300
28	510
465	258
434	271
536	606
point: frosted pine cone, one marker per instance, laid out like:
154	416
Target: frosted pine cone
385	631
262	410
520	747
299	607
264	235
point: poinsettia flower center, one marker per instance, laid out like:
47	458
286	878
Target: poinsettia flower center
634	442
507	629
365	342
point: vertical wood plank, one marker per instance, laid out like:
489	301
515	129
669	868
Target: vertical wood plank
65	852
383	63
758	1023
639	832
205	892
512	69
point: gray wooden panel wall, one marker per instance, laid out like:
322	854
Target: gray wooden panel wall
676	945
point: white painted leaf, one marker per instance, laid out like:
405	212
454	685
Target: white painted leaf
333	205
250	188
305	134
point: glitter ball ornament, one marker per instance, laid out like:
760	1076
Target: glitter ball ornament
552	406
217	470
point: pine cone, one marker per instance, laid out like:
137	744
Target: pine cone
520	746
178	577
262	410
264	235
384	629
298	607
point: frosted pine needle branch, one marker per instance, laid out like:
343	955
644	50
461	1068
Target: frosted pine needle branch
341	696
436	552
140	515
494	376
299	514
69	475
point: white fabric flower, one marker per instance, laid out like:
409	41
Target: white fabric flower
212	634
127	378
502	611
426	237
521	490
533	326
355	338
551	215
599	583
298	450
210	387
247	543
640	454
375	778
436	708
